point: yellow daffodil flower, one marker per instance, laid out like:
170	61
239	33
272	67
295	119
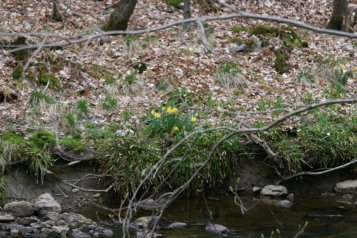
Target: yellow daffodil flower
171	110
193	119
157	115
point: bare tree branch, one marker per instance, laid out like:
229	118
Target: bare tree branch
311	173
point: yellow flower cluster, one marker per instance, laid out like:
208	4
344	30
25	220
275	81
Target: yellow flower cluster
155	114
171	110
342	68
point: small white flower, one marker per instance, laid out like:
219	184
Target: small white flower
328	134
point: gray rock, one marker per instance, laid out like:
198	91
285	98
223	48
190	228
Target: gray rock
76	233
107	233
150	221
240	47
46	203
347	186
19	209
274	190
29	232
14	226
290	197
59	231
256	189
45	231
76	218
28	220
53	216
176	225
5	218
217	228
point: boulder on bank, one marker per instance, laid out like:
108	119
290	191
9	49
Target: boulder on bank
274	191
347	186
46	203
217	229
19	209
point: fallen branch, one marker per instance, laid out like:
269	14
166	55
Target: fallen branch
76	39
310	173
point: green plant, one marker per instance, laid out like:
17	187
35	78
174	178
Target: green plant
324	139
238	29
39	161
110	80
280	63
174	3
34	151
130	79
127	114
130	84
129	40
49	79
82	107
308	98
306	76
37	96
17	73
169	122
340	77
70	120
109	103
264	29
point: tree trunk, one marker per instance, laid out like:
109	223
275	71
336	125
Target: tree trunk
186	14
119	18
339	16
55	13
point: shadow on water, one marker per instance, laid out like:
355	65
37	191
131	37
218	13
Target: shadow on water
326	216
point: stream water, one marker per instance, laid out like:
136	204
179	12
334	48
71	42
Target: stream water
326	216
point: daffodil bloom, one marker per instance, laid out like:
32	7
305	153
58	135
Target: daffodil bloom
341	68
171	110
157	115
193	119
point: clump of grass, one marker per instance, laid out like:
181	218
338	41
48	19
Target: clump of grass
49	79
109	103
228	76
324	140
238	29
174	3
280	64
306	76
130	83
82	107
264	29
130	156
38	96
3	194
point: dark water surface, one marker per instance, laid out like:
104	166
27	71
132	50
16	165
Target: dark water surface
326	216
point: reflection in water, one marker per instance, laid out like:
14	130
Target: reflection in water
326	217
